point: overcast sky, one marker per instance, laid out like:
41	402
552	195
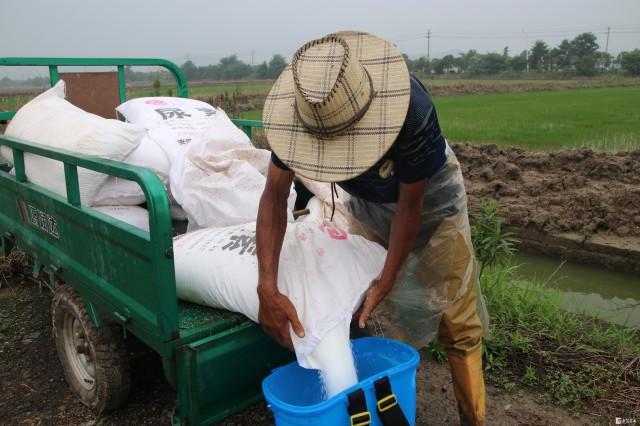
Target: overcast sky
205	31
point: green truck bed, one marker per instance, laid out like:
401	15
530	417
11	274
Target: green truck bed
215	359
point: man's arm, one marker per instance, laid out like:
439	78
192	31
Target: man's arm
404	229
276	310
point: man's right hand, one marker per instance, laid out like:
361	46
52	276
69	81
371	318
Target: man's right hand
275	313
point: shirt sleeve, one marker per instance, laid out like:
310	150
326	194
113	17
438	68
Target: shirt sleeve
421	148
278	163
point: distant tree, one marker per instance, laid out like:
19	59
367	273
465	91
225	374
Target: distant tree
422	66
156	88
564	59
231	68
538	52
505	52
519	63
276	65
190	70
448	62
491	63
583	49
466	60
438	68
262	71
630	62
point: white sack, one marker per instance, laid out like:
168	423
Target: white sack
221	179
324	272
123	192
172	122
133	215
50	120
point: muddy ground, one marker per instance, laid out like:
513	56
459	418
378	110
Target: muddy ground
33	390
571	191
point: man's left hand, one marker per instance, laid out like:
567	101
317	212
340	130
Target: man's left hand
377	291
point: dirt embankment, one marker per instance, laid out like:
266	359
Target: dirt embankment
586	196
478	87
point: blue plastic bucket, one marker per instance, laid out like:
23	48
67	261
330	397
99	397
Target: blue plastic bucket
295	394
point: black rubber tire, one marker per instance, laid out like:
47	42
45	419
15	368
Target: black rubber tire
108	353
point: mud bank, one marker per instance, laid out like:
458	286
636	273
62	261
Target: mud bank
579	204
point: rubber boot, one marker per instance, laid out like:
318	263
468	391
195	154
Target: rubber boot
468	386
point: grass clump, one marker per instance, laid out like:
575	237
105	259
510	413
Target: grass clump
575	360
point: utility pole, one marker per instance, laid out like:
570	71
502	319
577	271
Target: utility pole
527	51
606	45
252	58
428	45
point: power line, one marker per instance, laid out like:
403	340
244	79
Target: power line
464	34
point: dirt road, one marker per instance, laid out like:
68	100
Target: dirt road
34	392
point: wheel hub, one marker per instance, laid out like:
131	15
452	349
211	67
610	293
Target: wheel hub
78	351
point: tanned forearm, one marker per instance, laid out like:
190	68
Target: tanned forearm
270	228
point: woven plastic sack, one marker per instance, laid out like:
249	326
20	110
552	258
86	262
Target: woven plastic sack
50	120
133	215
324	272
123	192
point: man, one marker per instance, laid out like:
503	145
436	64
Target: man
347	111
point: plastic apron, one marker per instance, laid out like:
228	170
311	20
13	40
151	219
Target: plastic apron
437	293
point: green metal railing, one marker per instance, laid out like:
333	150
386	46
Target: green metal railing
53	63
156	245
247	126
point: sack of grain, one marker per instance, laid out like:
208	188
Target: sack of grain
325	273
50	120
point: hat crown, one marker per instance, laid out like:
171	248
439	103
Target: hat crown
332	89
316	69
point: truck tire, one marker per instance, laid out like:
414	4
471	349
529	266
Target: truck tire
94	360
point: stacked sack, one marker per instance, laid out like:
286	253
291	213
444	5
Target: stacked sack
51	121
216	175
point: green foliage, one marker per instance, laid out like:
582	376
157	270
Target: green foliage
437	351
575	360
232	68
538	53
493	246
156	88
276	65
530	377
630	62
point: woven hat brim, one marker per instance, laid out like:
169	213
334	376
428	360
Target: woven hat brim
354	152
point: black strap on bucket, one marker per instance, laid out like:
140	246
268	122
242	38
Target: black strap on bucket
357	408
388	408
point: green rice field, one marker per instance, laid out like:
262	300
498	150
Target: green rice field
536	114
604	119
607	119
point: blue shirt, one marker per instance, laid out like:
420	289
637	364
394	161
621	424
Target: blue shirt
417	153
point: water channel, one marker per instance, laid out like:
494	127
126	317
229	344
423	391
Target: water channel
611	295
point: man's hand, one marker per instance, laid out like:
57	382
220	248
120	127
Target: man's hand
275	313
377	291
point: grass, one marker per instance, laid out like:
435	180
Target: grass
575	361
607	118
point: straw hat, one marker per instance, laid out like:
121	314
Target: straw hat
338	108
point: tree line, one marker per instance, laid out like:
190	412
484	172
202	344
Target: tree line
581	56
